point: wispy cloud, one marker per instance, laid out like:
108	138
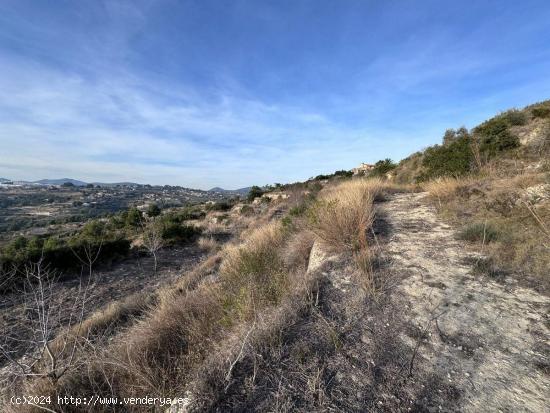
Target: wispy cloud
163	92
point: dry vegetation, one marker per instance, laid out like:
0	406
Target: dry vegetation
192	336
503	206
342	216
253	312
504	217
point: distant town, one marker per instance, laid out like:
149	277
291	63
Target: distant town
36	208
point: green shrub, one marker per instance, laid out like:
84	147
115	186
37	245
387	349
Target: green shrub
58	254
247	210
542	111
452	135
219	206
153	210
254	193
132	218
516	117
177	233
495	136
337	174
454	159
479	232
298	210
382	167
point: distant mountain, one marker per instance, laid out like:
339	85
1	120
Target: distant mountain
60	181
4	180
240	191
115	184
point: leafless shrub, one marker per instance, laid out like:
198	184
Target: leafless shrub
43	317
152	241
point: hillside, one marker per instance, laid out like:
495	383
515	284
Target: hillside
422	286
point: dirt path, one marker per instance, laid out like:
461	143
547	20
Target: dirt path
489	340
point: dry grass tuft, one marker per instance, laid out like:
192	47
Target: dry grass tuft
207	243
365	271
206	269
297	250
343	215
442	189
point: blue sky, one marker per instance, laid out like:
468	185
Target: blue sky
233	93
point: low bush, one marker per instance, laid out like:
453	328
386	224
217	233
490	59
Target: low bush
255	192
175	233
454	159
247	210
337	174
495	136
382	167
479	232
153	211
516	117
253	274
219	206
59	255
541	111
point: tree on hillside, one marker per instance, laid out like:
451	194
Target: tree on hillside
382	167
133	218
86	246
153	211
255	192
452	135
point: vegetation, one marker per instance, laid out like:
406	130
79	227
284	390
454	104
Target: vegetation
342	216
382	167
176	233
495	135
453	159
219	206
337	174
255	192
541	111
153	211
64	255
479	232
215	332
497	212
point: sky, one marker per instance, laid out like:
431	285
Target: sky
235	93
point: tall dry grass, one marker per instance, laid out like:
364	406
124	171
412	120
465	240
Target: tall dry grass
444	189
343	214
